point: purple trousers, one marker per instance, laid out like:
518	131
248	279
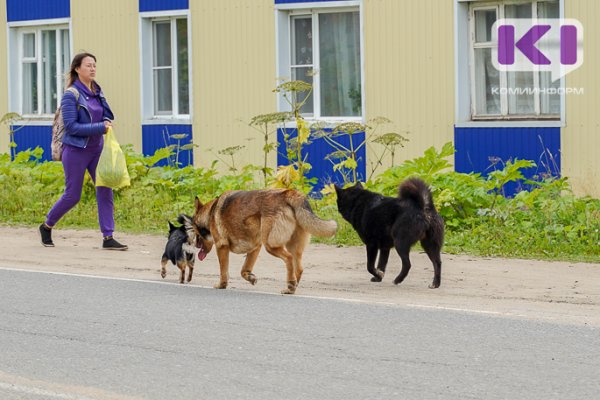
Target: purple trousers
75	162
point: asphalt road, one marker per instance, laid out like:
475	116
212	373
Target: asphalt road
74	337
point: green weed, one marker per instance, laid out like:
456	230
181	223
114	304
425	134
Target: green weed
547	222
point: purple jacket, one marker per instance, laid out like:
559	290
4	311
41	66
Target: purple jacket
77	118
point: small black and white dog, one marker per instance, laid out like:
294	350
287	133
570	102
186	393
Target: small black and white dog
180	248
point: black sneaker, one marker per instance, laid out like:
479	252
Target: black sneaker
46	234
111	244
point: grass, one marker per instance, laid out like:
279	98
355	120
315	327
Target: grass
547	222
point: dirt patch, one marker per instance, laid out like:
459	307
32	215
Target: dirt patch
556	291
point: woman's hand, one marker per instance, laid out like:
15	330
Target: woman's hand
107	124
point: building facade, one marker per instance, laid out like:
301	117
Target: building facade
204	68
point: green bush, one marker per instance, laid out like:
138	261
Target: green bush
546	222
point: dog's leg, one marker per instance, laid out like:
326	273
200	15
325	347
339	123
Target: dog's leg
433	250
181	265
281	252
223	255
296	247
190	265
371	257
163	270
403	251
249	264
384	255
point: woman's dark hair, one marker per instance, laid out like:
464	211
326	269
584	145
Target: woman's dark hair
76	63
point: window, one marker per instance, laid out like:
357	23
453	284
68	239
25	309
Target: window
322	47
504	95
166	67
43	59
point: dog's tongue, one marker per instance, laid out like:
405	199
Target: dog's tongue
201	254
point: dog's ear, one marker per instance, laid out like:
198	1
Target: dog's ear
358	185
337	189
197	205
185	220
171	227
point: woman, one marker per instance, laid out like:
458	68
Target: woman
86	119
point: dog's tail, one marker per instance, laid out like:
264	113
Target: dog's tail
309	221
418	192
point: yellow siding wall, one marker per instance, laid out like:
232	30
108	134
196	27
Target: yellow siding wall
234	72
408	75
580	140
109	29
4	140
233	65
409	69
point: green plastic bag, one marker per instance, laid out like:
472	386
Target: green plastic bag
112	168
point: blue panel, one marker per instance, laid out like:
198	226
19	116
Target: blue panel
27	10
301	1
478	148
156	137
317	151
30	137
161	5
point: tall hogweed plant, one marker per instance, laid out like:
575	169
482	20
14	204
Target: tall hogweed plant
348	138
344	138
266	125
9	120
546	221
293	175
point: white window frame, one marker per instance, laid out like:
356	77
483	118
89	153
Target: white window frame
283	23
465	80
147	20
16	59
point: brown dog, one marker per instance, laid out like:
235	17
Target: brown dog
240	222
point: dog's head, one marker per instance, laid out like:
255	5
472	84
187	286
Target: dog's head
346	198
185	233
201	223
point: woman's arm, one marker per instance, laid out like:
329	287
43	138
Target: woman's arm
72	126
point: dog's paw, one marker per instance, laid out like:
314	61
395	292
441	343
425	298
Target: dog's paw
163	274
291	288
434	285
378	276
397	281
252	278
221	285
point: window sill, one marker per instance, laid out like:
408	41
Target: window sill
309	4
168	120
328	122
35	120
500	123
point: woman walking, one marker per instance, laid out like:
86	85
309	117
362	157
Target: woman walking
86	118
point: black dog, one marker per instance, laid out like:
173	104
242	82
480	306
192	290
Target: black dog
385	222
180	248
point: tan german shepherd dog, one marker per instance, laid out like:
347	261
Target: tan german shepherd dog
242	221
